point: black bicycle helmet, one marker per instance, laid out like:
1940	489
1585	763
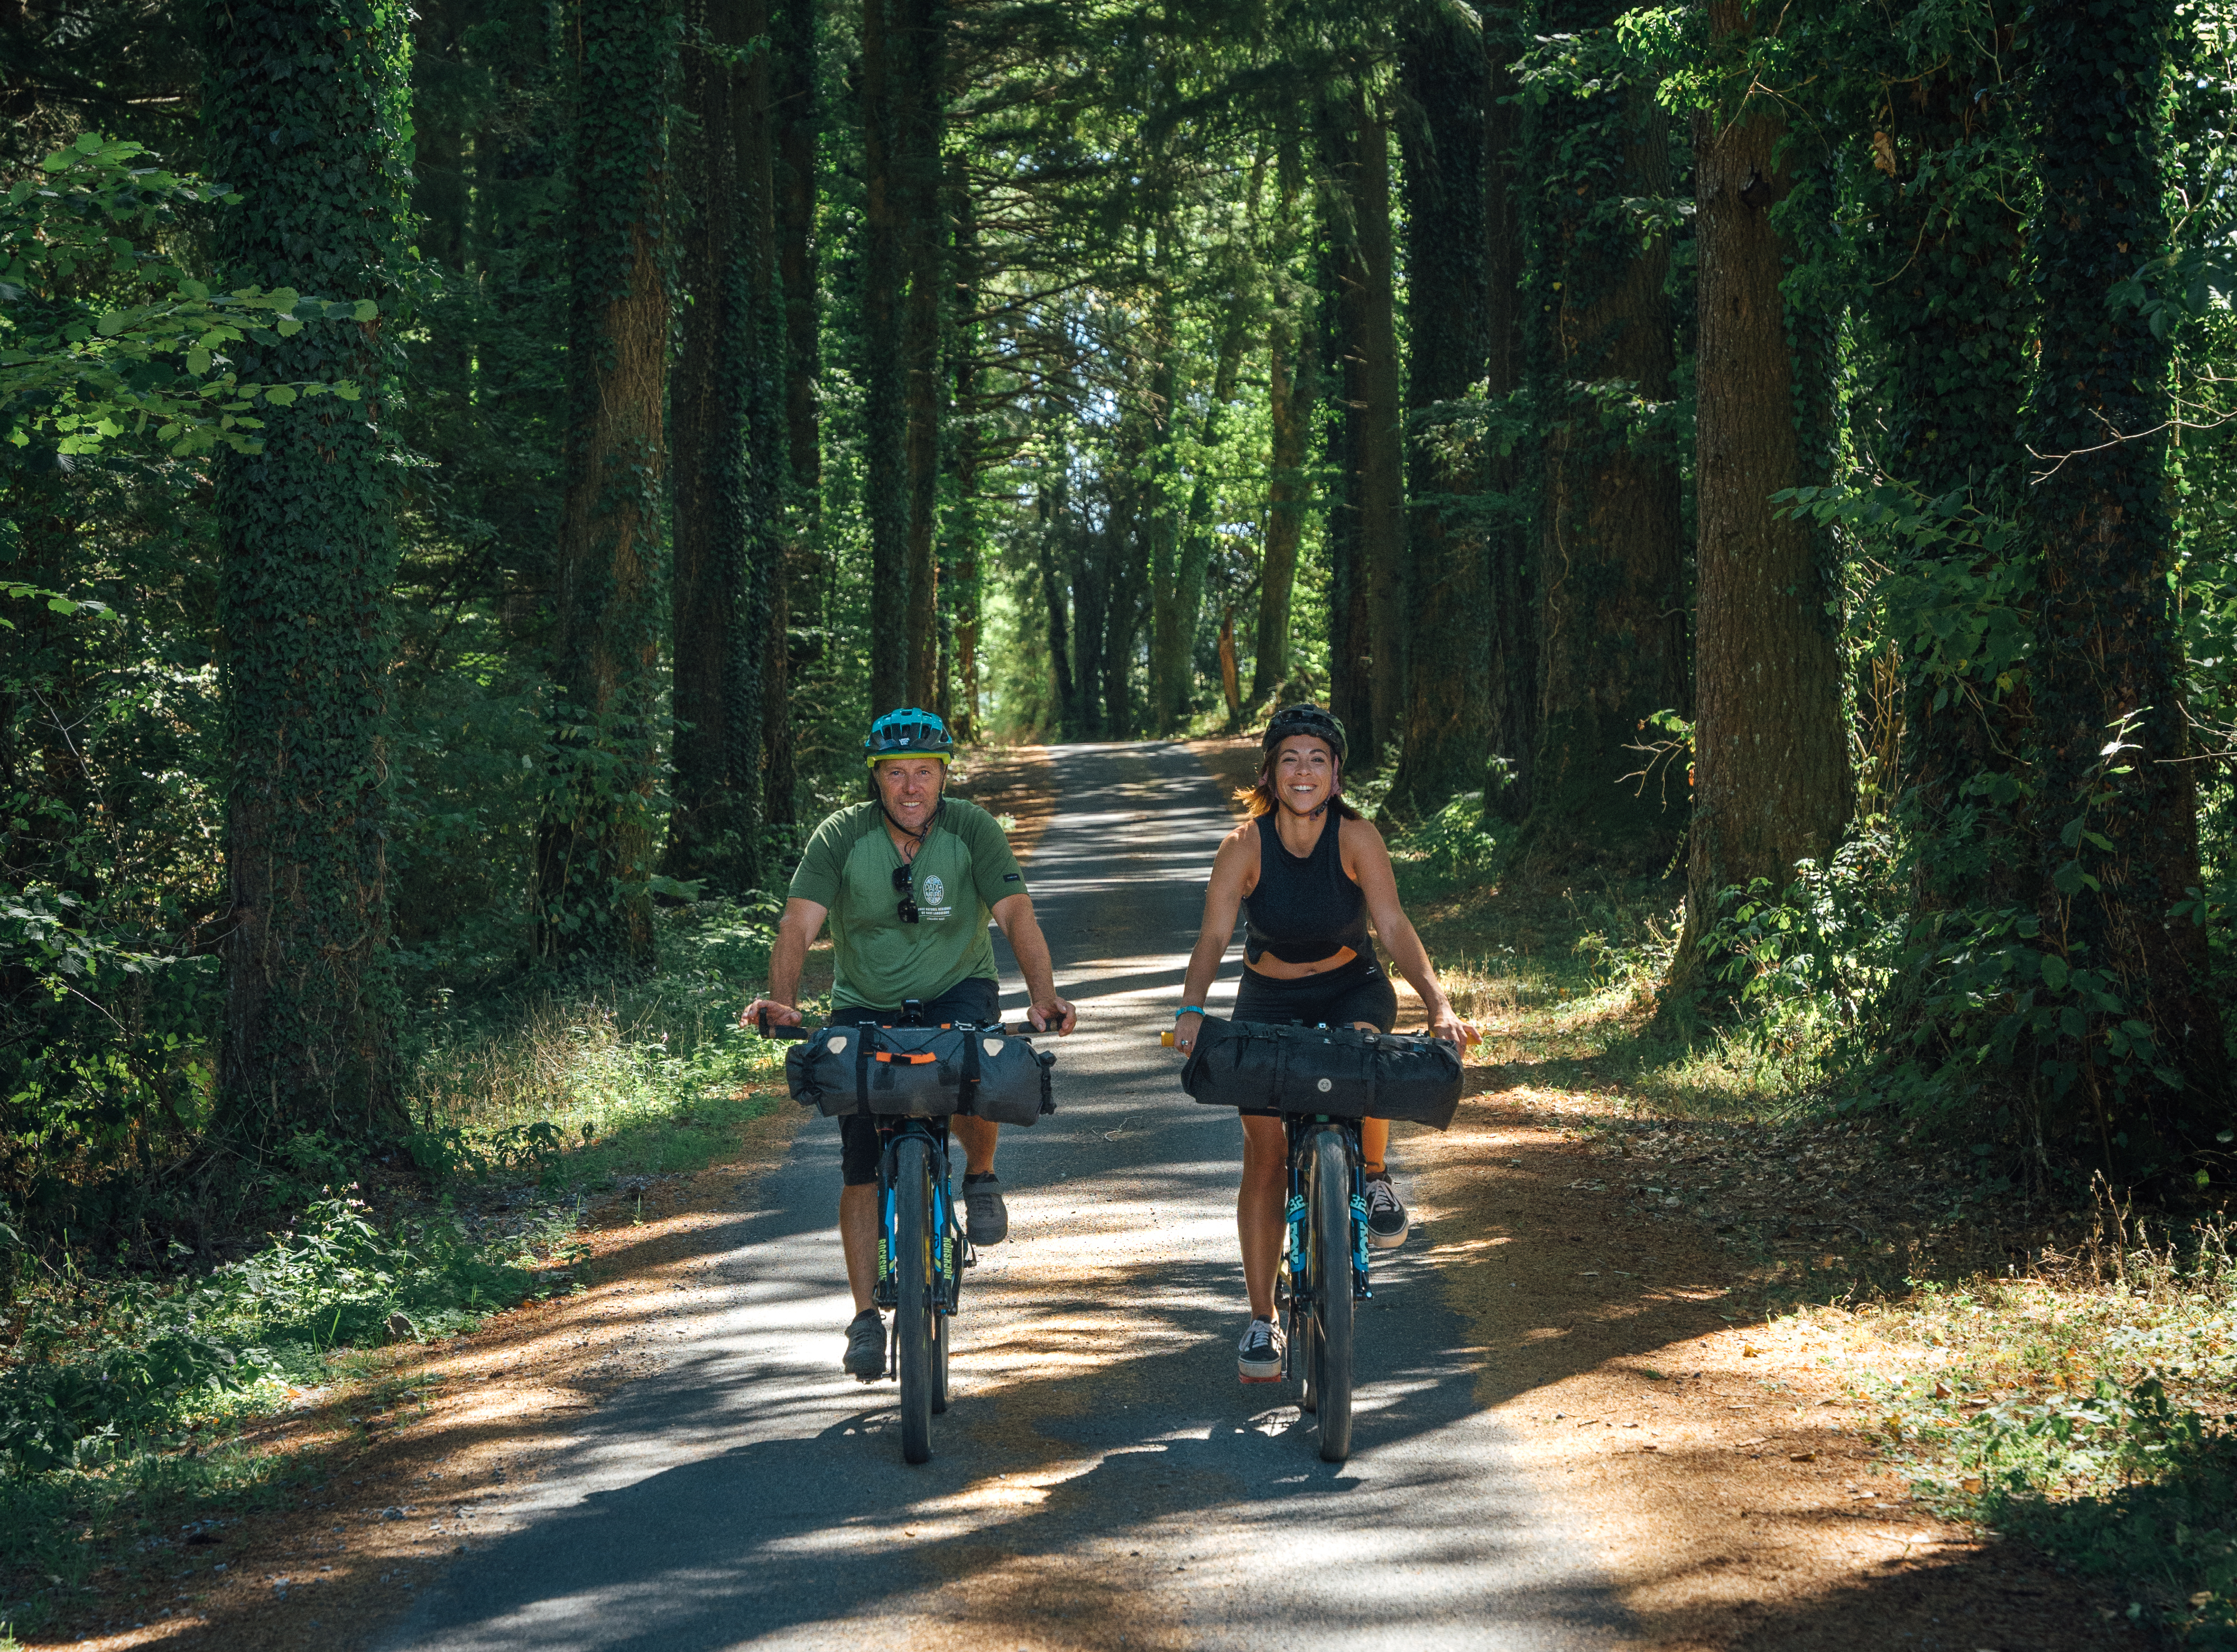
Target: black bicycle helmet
1305	719
907	733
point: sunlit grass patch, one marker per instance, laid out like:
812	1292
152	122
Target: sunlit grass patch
2089	1410
581	1079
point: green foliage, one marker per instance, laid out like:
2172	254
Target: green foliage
87	359
100	1367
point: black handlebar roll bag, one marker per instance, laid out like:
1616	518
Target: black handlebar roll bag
919	1072
1007	1079
1339	1071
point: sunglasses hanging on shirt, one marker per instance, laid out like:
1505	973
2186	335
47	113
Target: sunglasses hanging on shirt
905	886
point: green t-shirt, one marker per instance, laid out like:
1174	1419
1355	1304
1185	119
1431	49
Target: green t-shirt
963	867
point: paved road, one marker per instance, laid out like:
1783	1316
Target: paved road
1101	1479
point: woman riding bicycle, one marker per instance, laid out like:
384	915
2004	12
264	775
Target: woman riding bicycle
1309	873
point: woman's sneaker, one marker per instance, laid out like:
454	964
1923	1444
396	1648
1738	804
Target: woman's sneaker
1259	1355
1387	1222
866	1346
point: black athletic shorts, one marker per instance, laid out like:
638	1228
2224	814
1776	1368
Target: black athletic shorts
974	1000
1357	991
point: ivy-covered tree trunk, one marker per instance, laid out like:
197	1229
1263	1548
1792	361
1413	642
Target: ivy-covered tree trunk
1511	689
595	845
2128	1051
1611	592
885	409
1772	784
305	111
1951	309
713	831
1447	651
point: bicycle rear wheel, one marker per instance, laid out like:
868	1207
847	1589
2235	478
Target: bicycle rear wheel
913	1315
1329	1239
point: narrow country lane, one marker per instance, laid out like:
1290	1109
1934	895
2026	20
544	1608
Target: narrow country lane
1101	1479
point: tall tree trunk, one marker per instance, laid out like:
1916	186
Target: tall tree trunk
1050	509
1772	781
1511	691
1952	309
1292	384
966	530
920	98
304	108
1350	691
1168	651
1089	617
2116	835
1447	652
1381	496
711	830
594	849
796	606
885	410
760	686
1611	573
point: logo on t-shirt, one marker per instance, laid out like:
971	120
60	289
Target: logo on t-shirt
935	890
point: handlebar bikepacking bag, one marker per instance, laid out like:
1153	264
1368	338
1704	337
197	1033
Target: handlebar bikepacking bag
920	1072
898	1072
1339	1071
1006	1079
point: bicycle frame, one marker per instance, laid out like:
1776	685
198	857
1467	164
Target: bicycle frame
952	1254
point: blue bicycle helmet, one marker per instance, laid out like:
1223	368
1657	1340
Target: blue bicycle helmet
908	732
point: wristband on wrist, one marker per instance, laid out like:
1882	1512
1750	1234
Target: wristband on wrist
1188	1009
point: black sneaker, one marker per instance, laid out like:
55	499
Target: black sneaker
1259	1355
986	1217
1387	1223
866	1346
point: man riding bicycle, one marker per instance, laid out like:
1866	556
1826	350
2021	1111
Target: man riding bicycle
908	880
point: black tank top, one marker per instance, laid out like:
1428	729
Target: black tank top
1303	910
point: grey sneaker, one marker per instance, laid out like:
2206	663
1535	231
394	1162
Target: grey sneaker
866	1346
1259	1355
986	1217
1387	1222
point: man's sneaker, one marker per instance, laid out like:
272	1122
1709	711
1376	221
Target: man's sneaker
986	1217
1385	1216
1259	1355
866	1346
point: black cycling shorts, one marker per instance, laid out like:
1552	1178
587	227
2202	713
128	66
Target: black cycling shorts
1357	991
973	998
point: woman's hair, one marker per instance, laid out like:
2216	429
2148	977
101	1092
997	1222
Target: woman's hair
1260	798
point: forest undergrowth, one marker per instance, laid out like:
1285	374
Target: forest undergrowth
135	1390
2038	1357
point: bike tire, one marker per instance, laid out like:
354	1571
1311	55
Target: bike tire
1330	1358
914	1313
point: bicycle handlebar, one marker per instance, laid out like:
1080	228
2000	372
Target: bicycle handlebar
1026	1030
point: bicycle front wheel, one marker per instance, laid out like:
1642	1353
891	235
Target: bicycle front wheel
1330	1261
913	1315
